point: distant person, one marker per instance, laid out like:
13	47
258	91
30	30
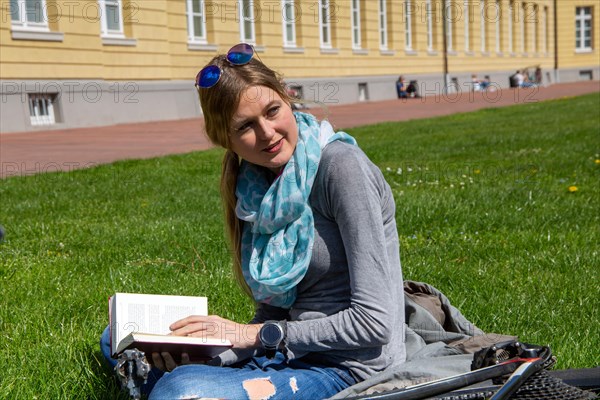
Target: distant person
485	83
522	80
519	78
475	84
413	89
401	88
512	80
527	82
538	76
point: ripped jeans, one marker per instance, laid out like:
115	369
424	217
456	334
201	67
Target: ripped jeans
256	378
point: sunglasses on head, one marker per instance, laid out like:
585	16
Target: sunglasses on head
240	54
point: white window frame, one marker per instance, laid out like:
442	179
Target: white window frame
483	27
288	23
247	37
467	17
511	27
545	30
104	31
324	25
193	37
534	33
522	23
429	11
408	40
355	21
41	109
21	22
449	27
383	31
580	18
498	27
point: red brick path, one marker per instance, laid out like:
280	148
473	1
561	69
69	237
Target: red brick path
64	150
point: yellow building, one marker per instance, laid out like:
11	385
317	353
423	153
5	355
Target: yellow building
578	39
66	63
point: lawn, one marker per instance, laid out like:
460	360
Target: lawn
499	209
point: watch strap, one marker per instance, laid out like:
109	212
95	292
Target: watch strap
270	353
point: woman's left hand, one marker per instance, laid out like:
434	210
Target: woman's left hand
214	327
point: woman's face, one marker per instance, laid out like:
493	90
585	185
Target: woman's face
263	129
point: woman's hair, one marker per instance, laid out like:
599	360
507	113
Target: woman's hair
219	103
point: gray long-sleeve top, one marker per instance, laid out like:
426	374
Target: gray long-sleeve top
349	309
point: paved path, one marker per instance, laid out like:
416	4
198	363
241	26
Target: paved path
64	150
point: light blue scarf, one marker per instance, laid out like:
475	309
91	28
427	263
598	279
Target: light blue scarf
278	235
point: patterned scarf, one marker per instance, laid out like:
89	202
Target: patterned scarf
278	235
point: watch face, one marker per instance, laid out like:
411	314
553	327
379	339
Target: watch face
271	334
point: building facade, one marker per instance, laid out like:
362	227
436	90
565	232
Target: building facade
75	63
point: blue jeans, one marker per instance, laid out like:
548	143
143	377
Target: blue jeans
255	378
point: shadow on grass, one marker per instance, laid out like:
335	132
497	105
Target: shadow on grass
107	385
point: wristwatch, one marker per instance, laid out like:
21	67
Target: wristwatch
271	335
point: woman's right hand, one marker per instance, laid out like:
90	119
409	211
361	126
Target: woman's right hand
165	361
242	336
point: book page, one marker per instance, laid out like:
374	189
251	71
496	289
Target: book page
144	313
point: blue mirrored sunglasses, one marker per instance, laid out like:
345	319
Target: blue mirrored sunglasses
240	54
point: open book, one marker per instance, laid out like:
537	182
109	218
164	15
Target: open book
142	321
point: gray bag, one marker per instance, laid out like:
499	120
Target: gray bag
440	342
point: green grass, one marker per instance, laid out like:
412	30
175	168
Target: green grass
483	210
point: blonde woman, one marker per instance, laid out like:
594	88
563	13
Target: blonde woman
312	227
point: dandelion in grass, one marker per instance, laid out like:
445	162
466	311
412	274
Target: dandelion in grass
597	161
573	189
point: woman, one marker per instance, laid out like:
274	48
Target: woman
401	88
311	223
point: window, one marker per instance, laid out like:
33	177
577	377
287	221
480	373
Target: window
363	92
111	18
523	28
247	21
324	24
41	109
432	19
449	25
534	29
511	28
383	34
29	14
196	21
498	27
483	27
429	11
586	75
467	26
545	30
583	29
289	23
408	24
355	16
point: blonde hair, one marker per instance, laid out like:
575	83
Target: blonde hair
219	104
